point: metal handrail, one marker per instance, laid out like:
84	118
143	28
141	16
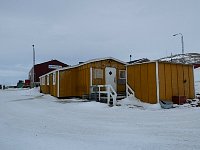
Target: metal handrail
114	96
129	91
109	91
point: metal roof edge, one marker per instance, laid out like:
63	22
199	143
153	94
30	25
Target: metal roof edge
142	63
84	63
153	61
92	60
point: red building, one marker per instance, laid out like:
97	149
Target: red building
43	68
196	66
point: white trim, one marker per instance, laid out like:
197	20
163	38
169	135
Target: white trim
40	81
157	83
58	85
94	60
48	73
54	78
126	83
193	79
47	79
91	76
44	82
87	62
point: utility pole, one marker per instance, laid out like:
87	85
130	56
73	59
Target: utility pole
33	66
182	43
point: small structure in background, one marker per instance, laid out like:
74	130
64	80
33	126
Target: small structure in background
2	87
20	84
43	68
27	83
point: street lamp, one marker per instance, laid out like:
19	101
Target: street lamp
33	66
130	55
181	41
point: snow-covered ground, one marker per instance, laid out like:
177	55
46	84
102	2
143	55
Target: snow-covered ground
32	121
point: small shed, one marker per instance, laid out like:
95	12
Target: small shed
154	81
76	81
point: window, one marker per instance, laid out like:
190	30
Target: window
54	78
42	81
98	73
47	79
122	74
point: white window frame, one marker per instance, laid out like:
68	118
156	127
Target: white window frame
48	79
120	74
54	78
98	73
41	81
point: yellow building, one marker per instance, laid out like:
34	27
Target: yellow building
154	81
77	80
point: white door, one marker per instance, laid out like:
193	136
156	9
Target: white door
110	77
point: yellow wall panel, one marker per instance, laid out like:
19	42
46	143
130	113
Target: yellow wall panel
186	80
168	82
174	80
175	91
76	81
131	77
152	83
51	84
138	92
144	82
180	80
63	83
161	74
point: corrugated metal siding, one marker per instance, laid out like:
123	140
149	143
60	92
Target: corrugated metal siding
186	81
174	75
142	79
161	74
138	81
174	80
76	81
51	84
180	80
144	83
168	81
152	83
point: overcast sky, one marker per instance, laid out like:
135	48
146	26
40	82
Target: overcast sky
79	30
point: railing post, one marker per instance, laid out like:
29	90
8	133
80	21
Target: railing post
99	92
108	94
